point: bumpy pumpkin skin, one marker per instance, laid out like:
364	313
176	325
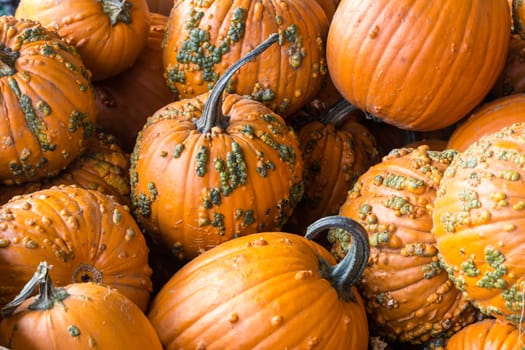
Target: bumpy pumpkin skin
93	316
487	334
49	105
102	166
487	119
478	222
417	65
108	34
126	100
215	34
84	234
194	190
408	296
261	291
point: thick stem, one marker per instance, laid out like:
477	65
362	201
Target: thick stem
47	296
7	61
117	11
349	270
337	113
212	110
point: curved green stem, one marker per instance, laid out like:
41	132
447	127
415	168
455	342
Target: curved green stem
211	112
337	113
349	270
117	11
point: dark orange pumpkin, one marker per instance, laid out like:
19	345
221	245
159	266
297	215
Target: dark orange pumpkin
478	222
512	79
207	169
408	296
126	100
204	38
108	34
48	103
86	236
488	334
270	290
488	118
162	7
77	316
418	65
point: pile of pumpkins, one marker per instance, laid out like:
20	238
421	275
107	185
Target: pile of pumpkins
293	174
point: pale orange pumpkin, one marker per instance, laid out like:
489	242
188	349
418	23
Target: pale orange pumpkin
487	334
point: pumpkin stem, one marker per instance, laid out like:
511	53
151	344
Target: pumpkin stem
47	296
7	61
211	112
349	270
117	10
337	113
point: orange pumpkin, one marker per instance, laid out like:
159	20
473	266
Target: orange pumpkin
77	316
204	38
478	222
126	100
103	166
512	79
85	234
418	65
408	296
271	290
49	105
488	118
487	334
108	34
199	178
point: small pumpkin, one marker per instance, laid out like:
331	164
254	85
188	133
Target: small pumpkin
49	105
487	334
478	223
488	118
126	100
108	34
76	316
417	65
269	290
102	166
204	38
86	235
408	295
207	169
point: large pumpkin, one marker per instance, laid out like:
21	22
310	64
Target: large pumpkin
204	38
199	178
487	119
86	236
408	296
108	34
126	100
78	316
270	290
48	103
479	222
418	65
487	334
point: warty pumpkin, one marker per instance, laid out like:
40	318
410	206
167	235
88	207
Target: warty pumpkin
49	105
77	316
126	100
487	334
488	118
85	234
108	34
418	65
408	295
204	38
478	223
102	166
269	290
207	169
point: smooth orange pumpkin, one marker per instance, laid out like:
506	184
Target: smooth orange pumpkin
488	118
487	334
408	295
85	234
48	103
418	65
204	38
108	34
270	290
77	316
